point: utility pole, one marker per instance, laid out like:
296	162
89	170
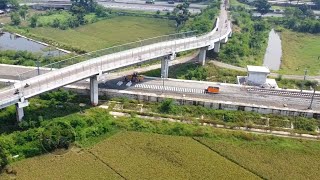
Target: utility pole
38	67
312	97
162	77
305	74
314	91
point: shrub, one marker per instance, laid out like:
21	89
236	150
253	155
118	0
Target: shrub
167	106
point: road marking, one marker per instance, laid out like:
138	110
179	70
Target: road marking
119	83
282	92
129	83
169	88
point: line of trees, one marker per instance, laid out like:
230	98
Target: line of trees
204	21
300	19
75	17
9	3
248	40
25	58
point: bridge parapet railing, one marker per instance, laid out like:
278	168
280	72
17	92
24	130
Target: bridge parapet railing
94	54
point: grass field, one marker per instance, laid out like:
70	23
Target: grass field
151	156
237	3
300	51
222	154
134	155
109	32
271	158
73	165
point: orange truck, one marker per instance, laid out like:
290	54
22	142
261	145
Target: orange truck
212	90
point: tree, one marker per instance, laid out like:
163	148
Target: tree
101	11
56	23
3	158
33	21
14	4
88	5
23	13
167	106
3	4
15	18
263	6
181	13
79	12
317	2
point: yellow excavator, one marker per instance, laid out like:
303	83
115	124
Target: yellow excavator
135	77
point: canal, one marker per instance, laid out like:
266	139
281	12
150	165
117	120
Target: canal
272	57
10	41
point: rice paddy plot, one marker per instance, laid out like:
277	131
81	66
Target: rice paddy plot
71	166
137	155
271	158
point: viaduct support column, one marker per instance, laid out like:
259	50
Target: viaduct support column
94	91
202	55
165	65
19	113
217	47
19	108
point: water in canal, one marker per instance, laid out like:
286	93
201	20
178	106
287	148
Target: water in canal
10	41
272	57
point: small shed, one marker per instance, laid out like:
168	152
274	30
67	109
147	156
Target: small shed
257	75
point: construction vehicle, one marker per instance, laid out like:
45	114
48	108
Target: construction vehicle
135	77
212	90
150	1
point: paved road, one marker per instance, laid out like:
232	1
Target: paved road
136	5
195	89
141	5
231	93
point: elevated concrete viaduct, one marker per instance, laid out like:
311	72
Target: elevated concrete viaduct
94	67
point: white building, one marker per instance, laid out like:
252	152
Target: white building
257	75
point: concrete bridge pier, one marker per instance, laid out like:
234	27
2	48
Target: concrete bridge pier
94	91
19	108
165	65
225	40
217	47
202	55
